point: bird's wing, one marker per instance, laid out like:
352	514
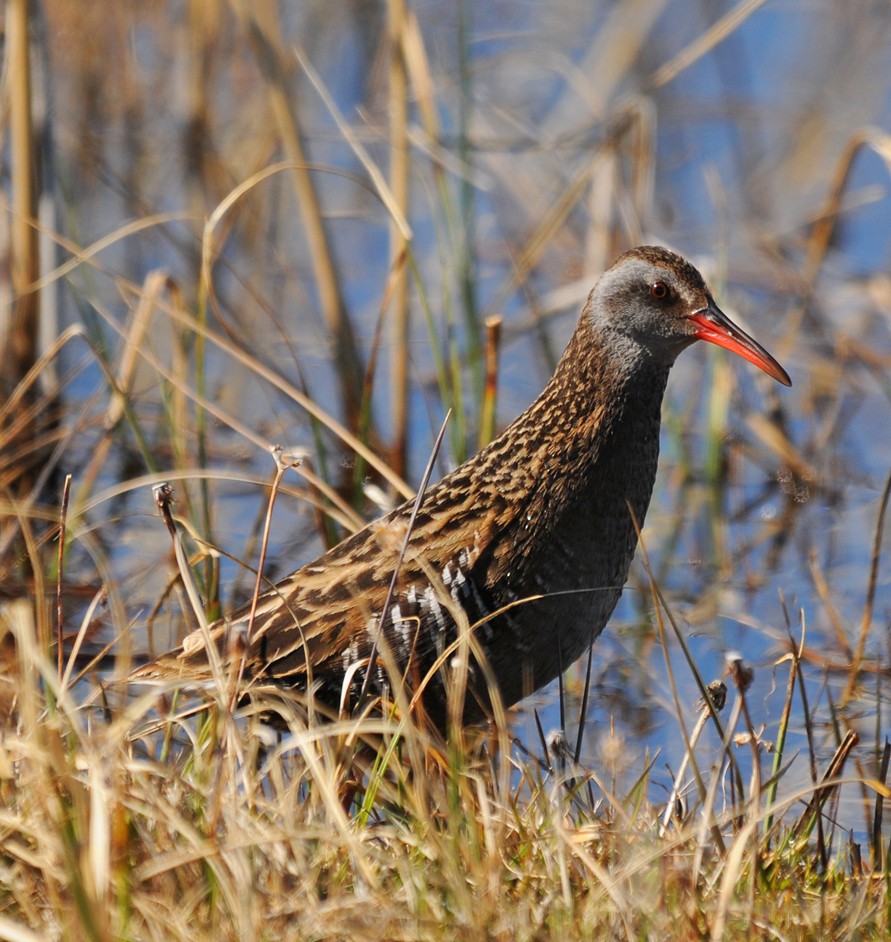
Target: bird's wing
321	614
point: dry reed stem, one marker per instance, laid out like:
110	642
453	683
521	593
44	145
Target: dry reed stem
866	621
400	165
19	327
490	388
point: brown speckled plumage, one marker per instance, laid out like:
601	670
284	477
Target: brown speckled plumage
532	537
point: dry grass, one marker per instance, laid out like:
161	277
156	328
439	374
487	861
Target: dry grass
309	231
119	824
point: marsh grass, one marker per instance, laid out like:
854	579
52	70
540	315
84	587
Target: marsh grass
136	819
293	281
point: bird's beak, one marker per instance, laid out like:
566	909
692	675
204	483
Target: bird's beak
713	325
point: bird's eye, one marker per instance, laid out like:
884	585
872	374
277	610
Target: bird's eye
660	291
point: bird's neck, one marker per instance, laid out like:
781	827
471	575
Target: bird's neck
601	395
583	453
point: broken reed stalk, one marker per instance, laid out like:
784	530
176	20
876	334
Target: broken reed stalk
490	387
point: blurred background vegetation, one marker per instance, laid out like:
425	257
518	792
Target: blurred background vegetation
229	226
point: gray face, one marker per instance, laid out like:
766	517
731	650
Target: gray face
645	300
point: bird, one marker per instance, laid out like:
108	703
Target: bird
522	551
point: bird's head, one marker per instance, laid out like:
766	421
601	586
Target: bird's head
655	303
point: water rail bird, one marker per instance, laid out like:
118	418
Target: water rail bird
526	545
